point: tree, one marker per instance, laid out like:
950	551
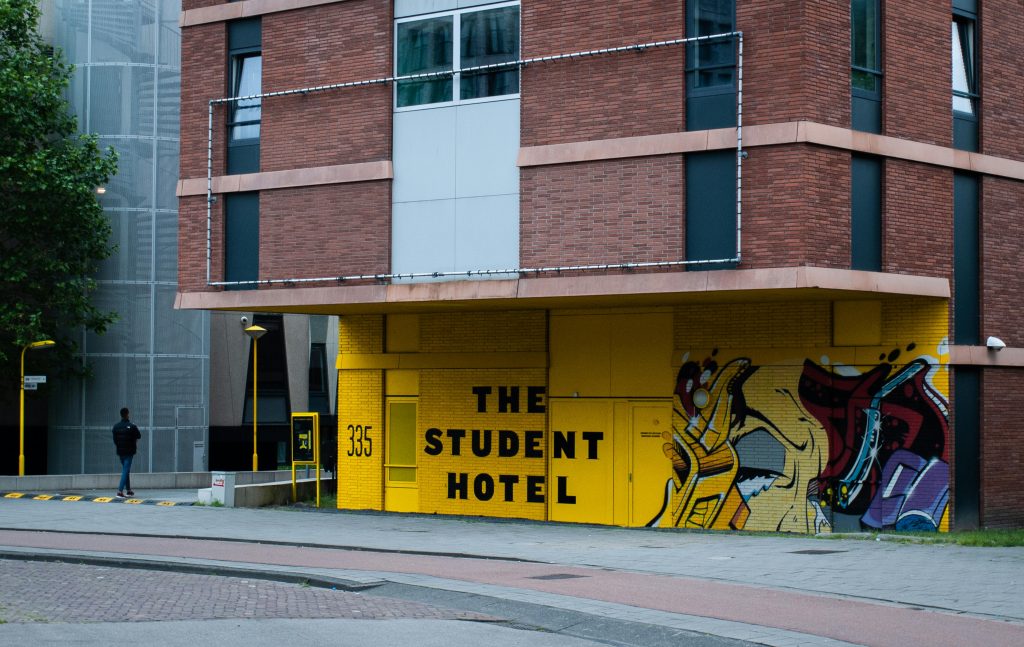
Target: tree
53	232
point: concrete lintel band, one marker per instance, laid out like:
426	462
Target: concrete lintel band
579	291
291	178
792	132
244	9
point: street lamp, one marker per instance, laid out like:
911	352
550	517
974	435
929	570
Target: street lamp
255	332
36	345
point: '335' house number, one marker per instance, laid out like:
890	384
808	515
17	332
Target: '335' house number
359	441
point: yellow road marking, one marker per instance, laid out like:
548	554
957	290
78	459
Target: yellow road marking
74	497
135	501
165	503
103	499
13	495
43	497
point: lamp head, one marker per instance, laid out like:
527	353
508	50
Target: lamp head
255	331
37	345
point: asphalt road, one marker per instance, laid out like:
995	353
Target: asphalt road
538	583
63	603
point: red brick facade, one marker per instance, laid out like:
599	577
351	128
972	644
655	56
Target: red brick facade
1002	453
917	208
796	208
603	212
917	82
792	66
347	41
621	95
333	230
796	196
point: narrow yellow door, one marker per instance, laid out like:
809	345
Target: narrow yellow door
401	491
650	470
580	485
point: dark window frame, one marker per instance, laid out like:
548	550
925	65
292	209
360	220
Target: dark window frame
452	82
875	72
236	61
972	66
694	67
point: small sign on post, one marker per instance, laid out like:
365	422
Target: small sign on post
306	447
35	379
31	386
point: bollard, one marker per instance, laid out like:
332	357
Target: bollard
223	488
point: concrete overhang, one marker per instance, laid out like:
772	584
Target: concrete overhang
557	292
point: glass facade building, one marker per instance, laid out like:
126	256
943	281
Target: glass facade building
154	359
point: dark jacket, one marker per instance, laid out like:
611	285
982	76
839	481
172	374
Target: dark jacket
126	434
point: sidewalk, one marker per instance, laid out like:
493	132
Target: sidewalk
768	590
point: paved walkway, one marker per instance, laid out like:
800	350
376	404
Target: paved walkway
766	590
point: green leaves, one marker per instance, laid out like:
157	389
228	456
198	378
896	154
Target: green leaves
53	232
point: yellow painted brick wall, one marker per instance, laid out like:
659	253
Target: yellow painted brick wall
480	332
447	401
360	417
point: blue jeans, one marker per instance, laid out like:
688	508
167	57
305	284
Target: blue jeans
126	477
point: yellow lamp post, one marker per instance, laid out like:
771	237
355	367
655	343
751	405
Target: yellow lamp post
36	345
255	332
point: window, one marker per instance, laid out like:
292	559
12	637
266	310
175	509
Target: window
865	66
865	55
711	63
246	80
428	45
401	440
965	68
241	239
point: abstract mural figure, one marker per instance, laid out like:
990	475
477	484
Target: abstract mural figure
749	452
744	452
869	418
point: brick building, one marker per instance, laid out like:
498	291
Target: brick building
716	263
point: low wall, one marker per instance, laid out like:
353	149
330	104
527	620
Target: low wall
280	493
140	480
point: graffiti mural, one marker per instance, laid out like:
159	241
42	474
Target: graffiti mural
793	447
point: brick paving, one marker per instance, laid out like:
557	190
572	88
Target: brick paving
32	591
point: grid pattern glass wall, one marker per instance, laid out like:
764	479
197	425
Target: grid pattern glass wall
154	359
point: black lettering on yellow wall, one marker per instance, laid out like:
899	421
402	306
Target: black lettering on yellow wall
592	437
509	481
508	399
534	396
481	398
508	443
533	444
434	446
456	435
458	484
481	442
563	491
535	489
564	444
483	487
360	443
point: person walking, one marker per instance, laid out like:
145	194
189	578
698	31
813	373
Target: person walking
126	438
